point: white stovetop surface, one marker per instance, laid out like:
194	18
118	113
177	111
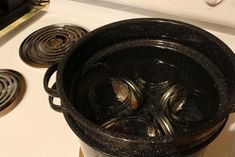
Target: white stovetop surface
33	129
223	14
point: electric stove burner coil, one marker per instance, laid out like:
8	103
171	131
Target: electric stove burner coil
12	87
49	44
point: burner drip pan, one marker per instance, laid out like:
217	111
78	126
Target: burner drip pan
12	88
49	44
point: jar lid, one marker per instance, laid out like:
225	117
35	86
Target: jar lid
184	105
115	96
156	74
134	125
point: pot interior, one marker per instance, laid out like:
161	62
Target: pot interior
145	88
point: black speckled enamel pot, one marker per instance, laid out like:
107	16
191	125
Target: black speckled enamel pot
206	49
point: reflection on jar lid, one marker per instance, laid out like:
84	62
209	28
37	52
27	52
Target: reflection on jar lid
165	125
156	71
155	77
115	96
184	105
133	125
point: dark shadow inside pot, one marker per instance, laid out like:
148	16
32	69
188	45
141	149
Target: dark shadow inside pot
169	77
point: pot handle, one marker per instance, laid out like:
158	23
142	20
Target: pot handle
50	71
52	92
55	107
